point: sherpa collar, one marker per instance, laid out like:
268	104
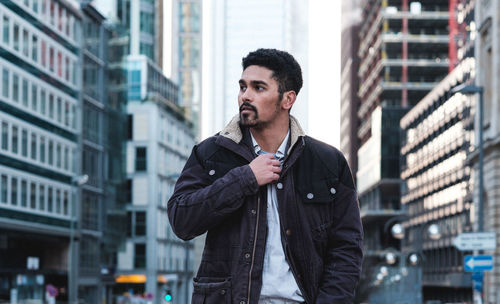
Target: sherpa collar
233	130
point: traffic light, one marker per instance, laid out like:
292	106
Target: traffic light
168	296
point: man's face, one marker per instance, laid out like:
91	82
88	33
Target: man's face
258	98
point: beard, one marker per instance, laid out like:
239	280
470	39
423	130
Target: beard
246	119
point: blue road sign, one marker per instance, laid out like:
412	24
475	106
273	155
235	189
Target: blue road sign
478	262
477	280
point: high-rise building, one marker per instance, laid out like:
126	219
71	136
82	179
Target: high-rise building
102	211
404	50
238	28
40	98
349	102
438	138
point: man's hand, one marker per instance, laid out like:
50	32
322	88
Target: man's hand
266	168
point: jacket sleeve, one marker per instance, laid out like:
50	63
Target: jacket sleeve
342	267
198	203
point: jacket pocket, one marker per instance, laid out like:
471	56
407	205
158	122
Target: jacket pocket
211	290
318	190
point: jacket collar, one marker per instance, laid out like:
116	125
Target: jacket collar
233	131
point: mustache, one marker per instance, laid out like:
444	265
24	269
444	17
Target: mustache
247	106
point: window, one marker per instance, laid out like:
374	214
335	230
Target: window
5	83
140	159
13	193
26	49
15	88
34	97
128	193
3	191
35	6
24	193
59	109
129	223
34	48
33	146
59	64
33	196
16	37
51	59
43	104
140	223
50	203
66	114
51	105
42	149
51	152
58	156
140	256
24	96
24	143
15	139
44	54
58	201
65	203
41	197
5	135
66	158
6	32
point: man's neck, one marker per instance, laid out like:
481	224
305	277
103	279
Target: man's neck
270	138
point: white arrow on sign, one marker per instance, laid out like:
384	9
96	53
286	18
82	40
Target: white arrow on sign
472	263
475	241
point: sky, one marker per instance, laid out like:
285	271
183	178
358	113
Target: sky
324	70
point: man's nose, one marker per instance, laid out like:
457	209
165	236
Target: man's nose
246	95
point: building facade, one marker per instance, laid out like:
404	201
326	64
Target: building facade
159	142
349	102
40	64
438	139
487	16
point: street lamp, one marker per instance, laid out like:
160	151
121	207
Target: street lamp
77	181
468	89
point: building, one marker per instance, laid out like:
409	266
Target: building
487	16
40	118
349	102
282	25
102	210
438	139
404	52
186	57
159	142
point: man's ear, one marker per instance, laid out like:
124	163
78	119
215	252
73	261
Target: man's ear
289	98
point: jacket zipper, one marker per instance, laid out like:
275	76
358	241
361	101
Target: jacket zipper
253	250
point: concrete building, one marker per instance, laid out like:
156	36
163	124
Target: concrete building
487	16
349	102
238	28
404	52
40	121
160	140
438	139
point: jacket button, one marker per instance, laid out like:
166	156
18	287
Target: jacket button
254	211
242	302
223	292
247	255
211	172
333	191
288	232
310	195
279	186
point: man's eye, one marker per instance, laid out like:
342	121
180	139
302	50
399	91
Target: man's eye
259	88
243	88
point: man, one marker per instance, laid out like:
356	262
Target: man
280	208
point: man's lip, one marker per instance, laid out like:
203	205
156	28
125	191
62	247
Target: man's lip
246	109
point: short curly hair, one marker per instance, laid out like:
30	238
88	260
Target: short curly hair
286	70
